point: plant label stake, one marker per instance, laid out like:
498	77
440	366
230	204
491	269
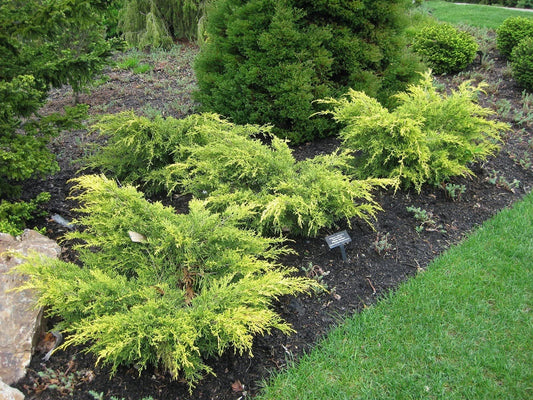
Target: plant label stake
339	239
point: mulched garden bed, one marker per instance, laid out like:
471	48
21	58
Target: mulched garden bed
378	259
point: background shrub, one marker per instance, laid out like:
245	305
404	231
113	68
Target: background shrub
265	61
14	215
159	23
445	48
110	18
522	63
511	32
59	42
429	137
190	286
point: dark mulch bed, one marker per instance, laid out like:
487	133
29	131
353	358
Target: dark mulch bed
377	260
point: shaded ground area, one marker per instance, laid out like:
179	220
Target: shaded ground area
377	260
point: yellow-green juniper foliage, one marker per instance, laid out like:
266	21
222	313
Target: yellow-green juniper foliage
193	285
138	147
228	164
429	137
299	197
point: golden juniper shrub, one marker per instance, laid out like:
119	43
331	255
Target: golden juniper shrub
138	146
228	164
429	137
287	196
194	286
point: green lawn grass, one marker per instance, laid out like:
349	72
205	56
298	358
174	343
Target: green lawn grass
481	16
461	330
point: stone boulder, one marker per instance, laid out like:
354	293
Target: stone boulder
20	321
9	393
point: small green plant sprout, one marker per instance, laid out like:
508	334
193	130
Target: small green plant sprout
427	220
504	108
497	179
487	63
454	191
522	156
142	68
525	161
382	243
134	64
315	272
96	395
524	115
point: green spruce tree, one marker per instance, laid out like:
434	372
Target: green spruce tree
266	61
43	44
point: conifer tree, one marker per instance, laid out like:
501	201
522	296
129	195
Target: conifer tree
157	23
266	61
43	44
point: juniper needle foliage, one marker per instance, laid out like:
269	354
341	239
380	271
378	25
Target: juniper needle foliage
287	196
429	137
138	147
228	164
186	288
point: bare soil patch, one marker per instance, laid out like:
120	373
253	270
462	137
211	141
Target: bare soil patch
378	260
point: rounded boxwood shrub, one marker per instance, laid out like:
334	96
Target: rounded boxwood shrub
511	32
445	48
266	61
522	63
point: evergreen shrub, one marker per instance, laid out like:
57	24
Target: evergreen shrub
228	164
159	288
139	147
266	61
429	137
522	63
511	32
110	18
159	23
286	196
43	44
15	215
445	48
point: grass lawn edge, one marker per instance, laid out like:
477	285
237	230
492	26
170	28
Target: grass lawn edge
461	329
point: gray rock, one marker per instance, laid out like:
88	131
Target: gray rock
9	393
20	320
